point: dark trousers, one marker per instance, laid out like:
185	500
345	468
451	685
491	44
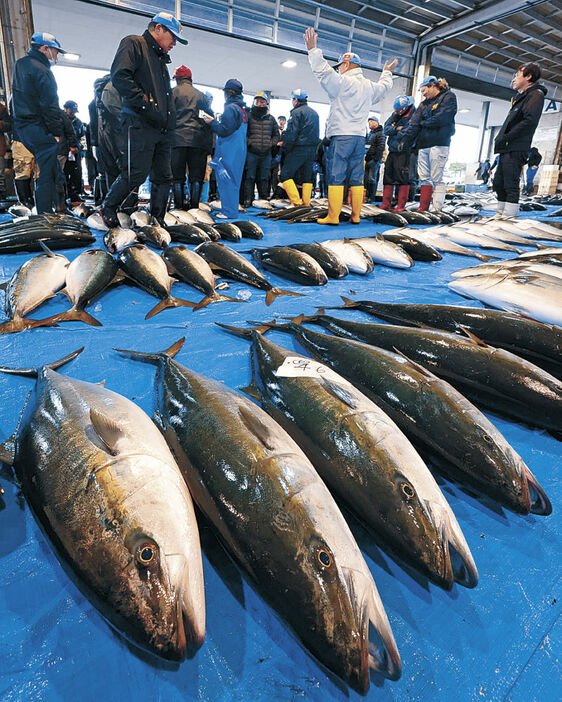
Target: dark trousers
508	175
397	168
372	169
73	175
45	149
299	158
146	151
188	158
258	166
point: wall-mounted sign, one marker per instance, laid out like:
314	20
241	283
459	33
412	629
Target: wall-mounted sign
551	106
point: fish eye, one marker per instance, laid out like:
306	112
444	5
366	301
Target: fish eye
407	489
325	558
488	438
145	554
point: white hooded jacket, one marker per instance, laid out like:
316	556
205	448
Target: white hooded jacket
352	96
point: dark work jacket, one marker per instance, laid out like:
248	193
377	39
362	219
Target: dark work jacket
375	140
34	93
68	139
263	132
303	128
390	126
234	114
433	123
516	133
535	156
140	75
190	130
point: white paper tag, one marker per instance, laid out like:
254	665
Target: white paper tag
299	367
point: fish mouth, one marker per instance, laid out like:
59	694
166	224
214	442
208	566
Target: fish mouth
458	564
190	605
378	651
539	502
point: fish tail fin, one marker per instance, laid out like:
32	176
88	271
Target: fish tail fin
276	292
247	331
34	372
154	357
215	297
348	303
481	257
16	325
169	302
74	315
302	318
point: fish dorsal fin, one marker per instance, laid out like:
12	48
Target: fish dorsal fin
252	390
415	366
473	337
101	383
4	285
341	393
378	237
257	427
48	251
107	430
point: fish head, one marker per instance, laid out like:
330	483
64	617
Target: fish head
333	605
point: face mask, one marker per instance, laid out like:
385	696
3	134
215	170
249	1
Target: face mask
259	111
52	61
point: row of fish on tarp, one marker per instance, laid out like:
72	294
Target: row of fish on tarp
338	424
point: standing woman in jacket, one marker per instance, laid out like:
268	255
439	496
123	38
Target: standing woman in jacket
139	73
515	136
230	150
431	129
191	139
37	115
262	137
352	97
397	166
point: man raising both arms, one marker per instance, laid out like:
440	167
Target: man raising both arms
352	97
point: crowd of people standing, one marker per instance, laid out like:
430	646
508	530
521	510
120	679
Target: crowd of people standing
140	127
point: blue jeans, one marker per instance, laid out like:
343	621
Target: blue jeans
258	166
44	147
346	160
372	169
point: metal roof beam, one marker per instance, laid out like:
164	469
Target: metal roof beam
543	38
512	56
549	20
520	46
471	20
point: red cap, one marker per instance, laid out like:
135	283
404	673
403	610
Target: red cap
182	72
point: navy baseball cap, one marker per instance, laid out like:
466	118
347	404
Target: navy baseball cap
299	94
233	84
169	22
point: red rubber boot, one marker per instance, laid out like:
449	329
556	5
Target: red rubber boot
387	192
426	191
403	192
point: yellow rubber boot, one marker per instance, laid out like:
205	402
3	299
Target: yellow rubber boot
292	192
306	193
357	192
335	203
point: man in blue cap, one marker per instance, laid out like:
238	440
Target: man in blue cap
37	116
140	75
300	141
230	150
431	129
397	164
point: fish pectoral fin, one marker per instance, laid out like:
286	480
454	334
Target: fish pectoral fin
252	390
118	278
4	286
107	430
473	337
415	365
101	383
8	450
257	427
341	393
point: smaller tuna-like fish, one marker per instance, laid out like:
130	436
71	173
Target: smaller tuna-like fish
291	263
117	238
384	252
95	221
250	230
354	256
228	231
187	234
141	218
201	216
155	235
332	265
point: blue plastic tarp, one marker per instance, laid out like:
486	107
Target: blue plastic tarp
500	641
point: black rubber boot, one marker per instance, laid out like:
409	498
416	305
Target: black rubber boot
248	192
179	195
130	203
195	194
263	189
159	195
23	189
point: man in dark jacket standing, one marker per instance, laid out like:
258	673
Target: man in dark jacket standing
375	149
431	128
140	75
397	165
533	161
192	139
37	115
515	136
262	136
73	164
300	141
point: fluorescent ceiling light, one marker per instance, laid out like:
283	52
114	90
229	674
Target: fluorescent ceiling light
465	109
289	63
71	57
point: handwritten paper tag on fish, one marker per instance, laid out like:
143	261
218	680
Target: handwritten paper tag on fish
299	367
